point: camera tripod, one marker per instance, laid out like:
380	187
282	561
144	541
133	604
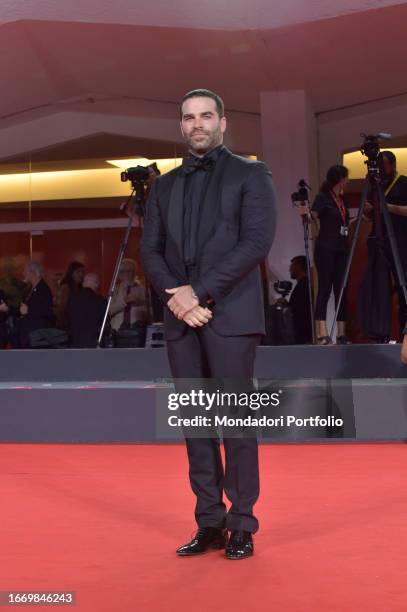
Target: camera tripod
303	198
373	184
136	206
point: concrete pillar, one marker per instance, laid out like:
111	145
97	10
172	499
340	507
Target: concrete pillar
289	148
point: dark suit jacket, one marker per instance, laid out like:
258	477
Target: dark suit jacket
236	230
84	312
40	312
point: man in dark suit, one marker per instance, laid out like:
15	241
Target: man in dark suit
209	225
37	308
84	312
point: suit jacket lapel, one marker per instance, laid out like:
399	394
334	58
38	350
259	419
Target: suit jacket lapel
211	201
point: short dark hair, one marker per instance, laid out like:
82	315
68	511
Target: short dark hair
155	168
301	260
389	155
204	93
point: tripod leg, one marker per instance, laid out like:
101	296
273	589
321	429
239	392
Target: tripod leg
122	250
149	305
351	253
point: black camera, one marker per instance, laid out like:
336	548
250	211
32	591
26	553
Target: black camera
283	287
301	197
370	147
138	174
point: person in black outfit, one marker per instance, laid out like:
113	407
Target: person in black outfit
70	282
84	312
299	301
36	311
395	189
331	250
209	225
13	290
4	313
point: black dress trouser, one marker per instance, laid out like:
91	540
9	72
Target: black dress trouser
202	353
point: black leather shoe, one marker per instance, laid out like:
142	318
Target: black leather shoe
205	539
240	545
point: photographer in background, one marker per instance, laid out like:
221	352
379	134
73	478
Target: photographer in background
84	312
4	312
395	189
36	311
331	250
299	301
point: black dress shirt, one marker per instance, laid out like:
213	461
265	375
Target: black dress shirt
197	172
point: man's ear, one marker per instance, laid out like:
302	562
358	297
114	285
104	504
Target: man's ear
223	124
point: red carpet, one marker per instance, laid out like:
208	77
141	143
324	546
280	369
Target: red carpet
105	521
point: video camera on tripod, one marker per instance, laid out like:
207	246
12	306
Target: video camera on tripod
374	188
139	177
136	174
301	197
370	147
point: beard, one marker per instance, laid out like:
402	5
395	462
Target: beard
206	141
